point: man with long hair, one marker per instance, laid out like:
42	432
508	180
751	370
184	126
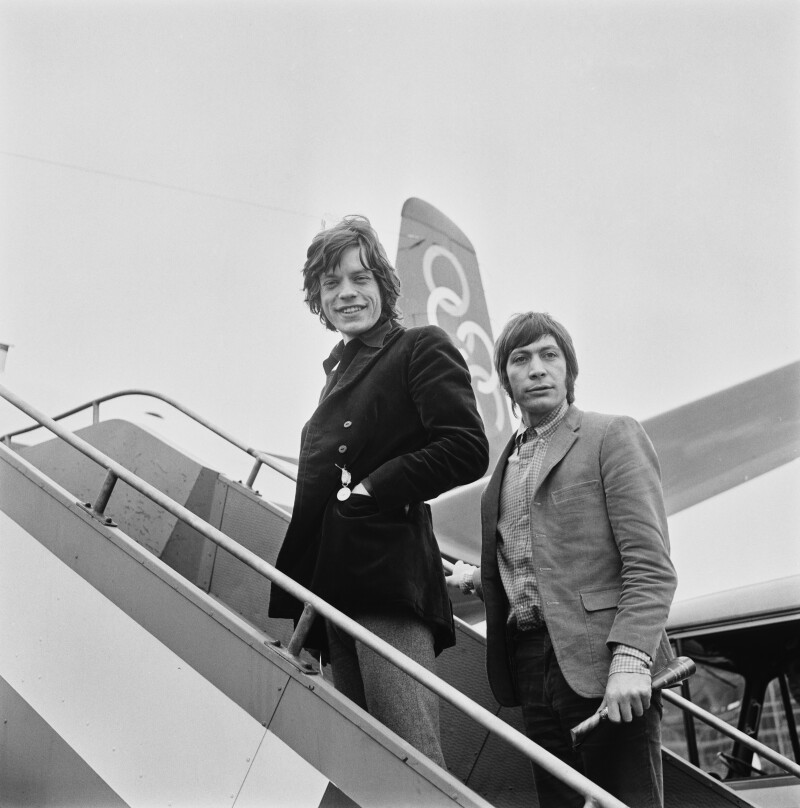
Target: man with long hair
396	425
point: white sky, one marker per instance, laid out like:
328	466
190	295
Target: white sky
629	166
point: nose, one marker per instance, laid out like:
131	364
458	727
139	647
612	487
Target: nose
347	289
536	367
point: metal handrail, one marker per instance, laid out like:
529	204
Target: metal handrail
261	458
726	729
595	797
264	458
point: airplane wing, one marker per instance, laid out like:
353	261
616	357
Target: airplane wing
727	438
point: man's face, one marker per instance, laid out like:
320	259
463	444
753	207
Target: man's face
537	375
350	296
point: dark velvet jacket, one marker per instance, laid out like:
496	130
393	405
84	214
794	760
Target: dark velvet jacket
402	418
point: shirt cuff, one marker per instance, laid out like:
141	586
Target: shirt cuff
629	660
477	582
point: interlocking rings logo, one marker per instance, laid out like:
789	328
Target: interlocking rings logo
469	333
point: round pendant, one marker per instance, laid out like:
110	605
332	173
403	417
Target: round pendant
342	494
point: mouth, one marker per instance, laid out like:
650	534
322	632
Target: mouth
350	309
542	388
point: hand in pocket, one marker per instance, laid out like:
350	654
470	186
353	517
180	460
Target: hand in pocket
358	505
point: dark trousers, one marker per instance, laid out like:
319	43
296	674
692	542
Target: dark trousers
624	759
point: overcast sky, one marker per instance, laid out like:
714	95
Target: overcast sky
629	166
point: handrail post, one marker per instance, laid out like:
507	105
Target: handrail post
95	413
301	630
254	473
789	713
105	493
689	728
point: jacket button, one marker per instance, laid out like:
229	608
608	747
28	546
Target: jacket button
342	449
348	424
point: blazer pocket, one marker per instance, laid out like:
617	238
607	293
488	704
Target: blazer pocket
576	491
601	599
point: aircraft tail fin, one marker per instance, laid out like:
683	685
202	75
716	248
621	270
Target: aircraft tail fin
441	285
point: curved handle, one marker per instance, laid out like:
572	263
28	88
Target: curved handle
673	673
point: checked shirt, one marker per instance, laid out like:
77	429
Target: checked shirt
514	559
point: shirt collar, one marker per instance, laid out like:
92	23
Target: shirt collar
375	336
544	428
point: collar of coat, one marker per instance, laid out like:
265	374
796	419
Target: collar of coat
374	338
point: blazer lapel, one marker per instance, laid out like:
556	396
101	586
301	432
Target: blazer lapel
565	435
490	501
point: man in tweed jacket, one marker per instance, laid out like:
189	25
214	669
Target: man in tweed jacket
575	572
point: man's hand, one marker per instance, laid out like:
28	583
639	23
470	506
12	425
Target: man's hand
462	572
627	695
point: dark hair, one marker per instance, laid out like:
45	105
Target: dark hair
523	329
326	251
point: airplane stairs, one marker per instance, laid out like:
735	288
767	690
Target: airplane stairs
124	682
138	666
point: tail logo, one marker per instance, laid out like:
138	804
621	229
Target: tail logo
476	342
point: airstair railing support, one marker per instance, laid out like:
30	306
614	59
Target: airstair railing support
737	735
304	624
261	458
594	796
104	496
264	459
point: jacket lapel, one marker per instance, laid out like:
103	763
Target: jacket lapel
565	435
490	501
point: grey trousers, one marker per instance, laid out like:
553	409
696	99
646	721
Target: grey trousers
388	694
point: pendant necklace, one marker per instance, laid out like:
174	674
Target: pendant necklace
344	492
